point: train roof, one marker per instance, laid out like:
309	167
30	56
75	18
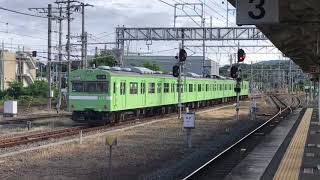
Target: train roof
141	71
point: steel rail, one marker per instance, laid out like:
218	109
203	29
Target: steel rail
239	141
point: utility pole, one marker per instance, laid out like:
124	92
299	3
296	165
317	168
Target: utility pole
68	48
2	67
181	67
83	42
49	54
60	60
204	42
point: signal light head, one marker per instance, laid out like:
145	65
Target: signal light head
241	55
182	55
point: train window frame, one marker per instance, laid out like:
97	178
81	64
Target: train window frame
159	87
122	88
78	82
142	88
166	87
151	88
190	87
134	86
199	87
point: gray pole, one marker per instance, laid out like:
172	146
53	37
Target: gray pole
2	67
68	51
175	15
290	78
60	61
83	38
86	50
204	41
227	14
319	98
110	163
251	78
181	66
49	54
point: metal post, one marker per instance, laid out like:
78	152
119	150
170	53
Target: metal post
110	162
83	43
2	67
290	78
251	78
86	50
60	61
227	14
49	54
175	15
68	51
80	137
204	42
181	66
189	138
319	99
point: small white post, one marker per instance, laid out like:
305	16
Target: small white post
319	99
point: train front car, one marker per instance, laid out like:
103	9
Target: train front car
90	98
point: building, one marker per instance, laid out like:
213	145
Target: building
193	63
18	66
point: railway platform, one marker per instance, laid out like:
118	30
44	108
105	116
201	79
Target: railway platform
290	152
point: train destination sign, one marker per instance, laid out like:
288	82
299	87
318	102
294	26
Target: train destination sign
255	12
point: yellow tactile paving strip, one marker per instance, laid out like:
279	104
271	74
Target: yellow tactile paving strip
289	168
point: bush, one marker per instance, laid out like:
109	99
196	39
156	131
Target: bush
38	89
15	89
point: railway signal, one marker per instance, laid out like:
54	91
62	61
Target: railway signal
234	72
175	71
182	55
241	55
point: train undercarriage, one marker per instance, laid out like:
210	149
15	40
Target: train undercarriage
91	116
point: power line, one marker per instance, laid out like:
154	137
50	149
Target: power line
21	13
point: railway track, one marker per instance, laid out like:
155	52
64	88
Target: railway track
220	165
55	134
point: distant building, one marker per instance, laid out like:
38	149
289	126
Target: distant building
193	63
19	66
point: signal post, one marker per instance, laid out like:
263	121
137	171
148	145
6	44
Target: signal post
236	74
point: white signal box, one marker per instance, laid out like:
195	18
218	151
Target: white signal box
189	120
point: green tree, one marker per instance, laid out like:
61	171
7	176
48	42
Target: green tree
38	88
153	66
104	59
15	89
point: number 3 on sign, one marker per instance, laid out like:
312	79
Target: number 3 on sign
259	6
254	12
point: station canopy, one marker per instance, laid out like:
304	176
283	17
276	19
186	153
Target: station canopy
298	33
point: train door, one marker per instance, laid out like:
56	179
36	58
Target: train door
114	95
143	93
123	94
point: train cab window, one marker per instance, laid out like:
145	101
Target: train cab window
159	87
102	87
190	87
122	88
133	88
77	87
143	88
166	88
152	87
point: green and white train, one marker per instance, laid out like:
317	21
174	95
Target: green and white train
109	94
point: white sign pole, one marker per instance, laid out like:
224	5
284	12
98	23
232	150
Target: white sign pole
189	124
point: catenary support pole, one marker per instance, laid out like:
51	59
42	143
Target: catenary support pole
69	50
60	61
49	54
83	43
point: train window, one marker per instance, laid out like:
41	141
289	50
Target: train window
152	87
114	87
122	88
180	88
190	87
133	88
77	87
91	87
101	77
199	87
143	88
207	87
159	88
166	88
102	87
172	88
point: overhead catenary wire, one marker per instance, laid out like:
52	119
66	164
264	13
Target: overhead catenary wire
21	13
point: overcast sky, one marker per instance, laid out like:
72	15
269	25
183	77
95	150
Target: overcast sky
101	21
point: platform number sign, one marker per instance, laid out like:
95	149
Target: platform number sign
255	12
